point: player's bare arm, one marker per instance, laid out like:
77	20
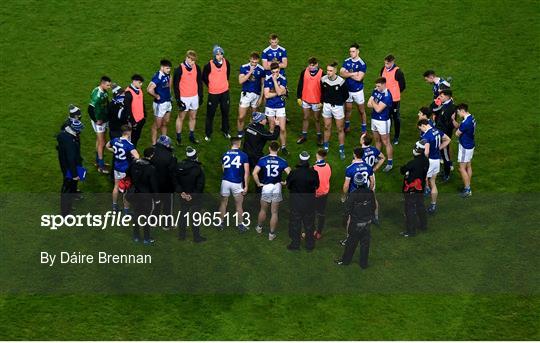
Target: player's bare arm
255	175
151	89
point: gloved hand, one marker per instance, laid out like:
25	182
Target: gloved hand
299	102
181	105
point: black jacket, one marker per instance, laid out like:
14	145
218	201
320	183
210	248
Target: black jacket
117	115
165	162
177	75
334	92
256	137
143	176
302	183
189	177
207	69
69	152
443	118
415	172
360	205
128	99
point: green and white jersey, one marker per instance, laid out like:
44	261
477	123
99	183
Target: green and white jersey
99	100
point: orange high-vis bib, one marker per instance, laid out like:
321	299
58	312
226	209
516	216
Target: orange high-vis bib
311	91
188	82
137	105
391	84
217	79
324	179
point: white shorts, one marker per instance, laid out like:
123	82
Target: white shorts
99	128
357	97
274	112
250	99
314	107
119	175
191	102
329	111
160	110
228	188
434	167
271	193
380	126
465	155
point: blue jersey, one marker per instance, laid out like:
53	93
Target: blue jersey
386	98
467	128
434	137
442	83
431	123
253	84
272	168
371	155
163	87
277	101
274	55
357	167
233	165
122	148
352	67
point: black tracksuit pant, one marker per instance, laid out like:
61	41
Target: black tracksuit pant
223	100
320	209
188	208
358	233
396	118
301	217
67	195
415	212
137	130
143	205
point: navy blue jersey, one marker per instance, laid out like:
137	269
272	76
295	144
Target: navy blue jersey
233	165
434	137
357	167
354	66
467	128
272	168
438	86
163	87
371	155
122	148
386	98
253	84
274	55
277	101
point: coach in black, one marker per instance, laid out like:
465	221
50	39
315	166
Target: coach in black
256	136
302	183
165	163
117	115
443	122
414	183
69	156
189	185
360	209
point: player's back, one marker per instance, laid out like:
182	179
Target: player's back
122	148
371	155
233	165
272	168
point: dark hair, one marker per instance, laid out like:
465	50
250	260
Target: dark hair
235	140
273	36
148	152
426	111
125	128
381	80
332	64
428	73
390	58
463	106
255	55
274	146
137	77
312	60
105	78
447	92
358	152
355	45
422	122
165	63
322	153
274	65
368	139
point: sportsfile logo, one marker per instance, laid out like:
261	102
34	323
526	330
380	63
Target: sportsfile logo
112	219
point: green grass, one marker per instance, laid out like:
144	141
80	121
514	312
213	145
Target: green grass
472	278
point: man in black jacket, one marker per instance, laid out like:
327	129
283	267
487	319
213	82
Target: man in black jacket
256	136
360	210
69	156
165	162
443	121
302	183
414	183
189	185
143	194
117	115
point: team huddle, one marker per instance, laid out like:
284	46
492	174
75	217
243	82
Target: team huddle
149	181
